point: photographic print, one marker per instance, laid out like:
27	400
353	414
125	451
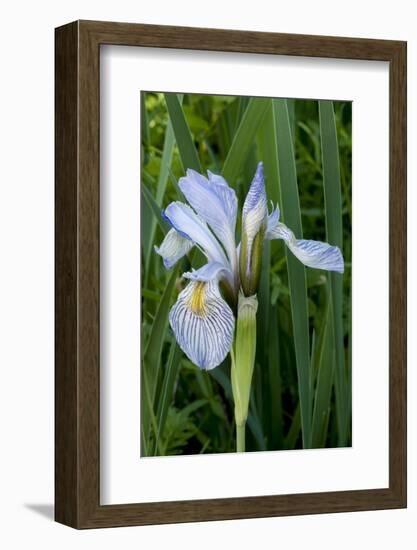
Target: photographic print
203	274
246	218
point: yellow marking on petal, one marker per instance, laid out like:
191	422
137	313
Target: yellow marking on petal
196	301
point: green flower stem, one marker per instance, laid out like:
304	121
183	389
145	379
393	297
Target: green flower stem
243	360
240	438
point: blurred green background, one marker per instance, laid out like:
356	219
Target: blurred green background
301	391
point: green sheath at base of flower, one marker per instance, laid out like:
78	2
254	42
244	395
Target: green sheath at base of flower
243	359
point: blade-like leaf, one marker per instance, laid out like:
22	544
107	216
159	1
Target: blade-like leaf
185	143
154	208
244	138
146	216
275	386
167	390
144	120
166	159
324	366
290	208
334	235
293	432
152	355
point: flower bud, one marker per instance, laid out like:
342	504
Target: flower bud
243	359
254	221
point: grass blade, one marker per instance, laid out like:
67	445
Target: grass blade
334	234
183	137
244	138
290	208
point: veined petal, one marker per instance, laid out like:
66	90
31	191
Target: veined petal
279	231
192	227
227	196
311	253
255	209
215	202
173	247
203	324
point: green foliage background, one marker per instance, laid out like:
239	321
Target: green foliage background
301	392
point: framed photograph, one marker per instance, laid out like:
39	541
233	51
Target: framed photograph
230	274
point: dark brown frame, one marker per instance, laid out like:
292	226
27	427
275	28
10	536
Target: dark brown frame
77	274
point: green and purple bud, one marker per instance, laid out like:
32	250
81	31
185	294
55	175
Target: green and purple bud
254	225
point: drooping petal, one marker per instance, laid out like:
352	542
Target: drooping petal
215	202
255	210
279	231
203	324
192	227
311	253
173	247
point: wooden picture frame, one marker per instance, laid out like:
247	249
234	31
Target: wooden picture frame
77	403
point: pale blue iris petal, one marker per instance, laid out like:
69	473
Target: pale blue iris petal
191	226
227	196
318	254
279	231
311	253
212	271
255	209
203	326
273	220
212	202
173	247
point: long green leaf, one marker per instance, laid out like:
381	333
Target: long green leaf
293	432
324	359
152	355
154	208
146	216
334	234
161	187
290	207
166	160
144	120
261	368
167	389
185	143
148	420
275	385
244	138
268	363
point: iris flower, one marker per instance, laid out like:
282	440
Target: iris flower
203	317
